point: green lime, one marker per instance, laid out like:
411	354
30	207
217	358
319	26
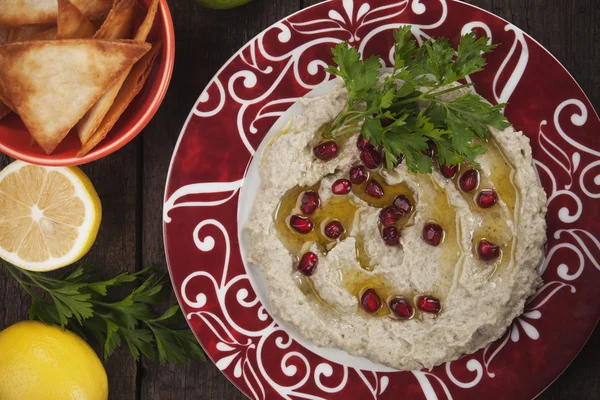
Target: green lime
222	4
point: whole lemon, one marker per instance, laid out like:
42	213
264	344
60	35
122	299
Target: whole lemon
43	362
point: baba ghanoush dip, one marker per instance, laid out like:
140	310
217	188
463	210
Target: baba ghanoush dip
408	270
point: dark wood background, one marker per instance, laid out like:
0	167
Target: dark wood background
131	182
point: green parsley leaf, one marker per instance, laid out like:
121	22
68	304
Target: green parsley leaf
469	59
421	101
358	76
77	301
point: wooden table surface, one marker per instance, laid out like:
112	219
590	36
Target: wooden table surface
131	182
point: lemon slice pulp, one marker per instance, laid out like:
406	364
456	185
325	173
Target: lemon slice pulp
49	216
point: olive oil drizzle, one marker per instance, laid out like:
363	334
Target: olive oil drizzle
494	226
346	210
442	212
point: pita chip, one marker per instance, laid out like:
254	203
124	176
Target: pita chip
20	34
31	32
30	12
131	87
4	101
52	84
4	32
118	21
4	95
144	29
4	110
71	23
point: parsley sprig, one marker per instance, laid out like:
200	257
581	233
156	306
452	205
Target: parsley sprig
77	301
405	112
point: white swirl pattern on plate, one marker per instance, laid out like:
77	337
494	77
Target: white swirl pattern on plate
246	358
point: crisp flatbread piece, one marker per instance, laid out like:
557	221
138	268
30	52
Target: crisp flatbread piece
131	87
52	84
144	29
118	25
21	34
31	32
4	110
4	32
4	95
119	21
71	23
29	12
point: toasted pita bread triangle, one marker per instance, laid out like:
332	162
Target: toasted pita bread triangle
4	35
4	110
4	95
71	22
144	29
52	84
29	12
117	22
30	32
131	87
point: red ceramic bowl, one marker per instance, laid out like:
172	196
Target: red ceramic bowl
15	139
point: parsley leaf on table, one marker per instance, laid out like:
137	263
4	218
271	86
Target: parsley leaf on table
77	302
406	111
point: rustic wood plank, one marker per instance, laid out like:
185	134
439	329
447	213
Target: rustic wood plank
205	41
114	178
115	250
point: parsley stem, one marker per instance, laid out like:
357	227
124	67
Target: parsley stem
348	130
356	117
431	96
36	281
452	89
23	284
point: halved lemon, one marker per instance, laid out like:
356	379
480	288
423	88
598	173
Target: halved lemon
49	216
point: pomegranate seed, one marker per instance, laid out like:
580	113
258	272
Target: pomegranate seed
487	198
371	158
374	189
469	180
429	304
449	171
370	301
301	224
488	251
358	174
326	150
433	234
362	143
390	235
310	202
334	229
402	203
308	263
389	215
401	308
341	186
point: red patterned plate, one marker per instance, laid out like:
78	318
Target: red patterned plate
212	180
